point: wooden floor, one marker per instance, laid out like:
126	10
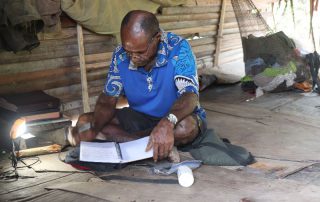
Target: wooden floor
281	130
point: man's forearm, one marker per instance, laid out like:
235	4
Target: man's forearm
184	106
104	111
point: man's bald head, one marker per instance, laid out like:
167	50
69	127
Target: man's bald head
138	21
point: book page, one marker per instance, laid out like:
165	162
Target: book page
104	152
135	150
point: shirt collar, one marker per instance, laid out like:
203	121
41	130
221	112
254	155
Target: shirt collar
162	52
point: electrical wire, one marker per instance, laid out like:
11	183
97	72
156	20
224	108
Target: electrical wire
12	174
14	163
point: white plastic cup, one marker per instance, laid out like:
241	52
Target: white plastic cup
185	176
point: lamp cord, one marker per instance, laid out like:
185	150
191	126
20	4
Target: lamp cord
12	174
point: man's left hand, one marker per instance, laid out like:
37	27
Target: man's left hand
161	139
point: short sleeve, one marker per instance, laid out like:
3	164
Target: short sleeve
186	78
113	86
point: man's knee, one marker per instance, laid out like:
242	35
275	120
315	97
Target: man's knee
186	130
85	118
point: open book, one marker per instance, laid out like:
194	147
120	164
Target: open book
112	152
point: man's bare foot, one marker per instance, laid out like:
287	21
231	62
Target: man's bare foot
69	137
174	156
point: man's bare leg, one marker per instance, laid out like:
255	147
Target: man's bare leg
186	131
111	132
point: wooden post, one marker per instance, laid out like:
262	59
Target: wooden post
83	71
219	36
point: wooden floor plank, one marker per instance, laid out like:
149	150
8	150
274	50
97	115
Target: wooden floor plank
264	126
211	184
274	137
24	188
63	196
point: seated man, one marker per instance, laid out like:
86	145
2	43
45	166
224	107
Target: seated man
156	71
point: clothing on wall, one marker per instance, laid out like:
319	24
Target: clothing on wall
104	16
50	11
20	21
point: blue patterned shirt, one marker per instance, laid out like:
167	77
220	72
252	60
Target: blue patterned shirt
154	92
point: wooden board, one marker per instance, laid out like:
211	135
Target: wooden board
186	24
186	17
211	184
62	196
32	187
193	9
265	133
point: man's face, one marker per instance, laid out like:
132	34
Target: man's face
140	47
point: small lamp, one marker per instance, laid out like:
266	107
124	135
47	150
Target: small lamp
18	128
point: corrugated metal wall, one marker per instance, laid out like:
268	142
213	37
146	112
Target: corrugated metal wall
54	65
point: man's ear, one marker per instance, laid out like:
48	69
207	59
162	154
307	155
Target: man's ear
158	36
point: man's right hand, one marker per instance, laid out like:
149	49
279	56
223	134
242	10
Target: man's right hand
161	139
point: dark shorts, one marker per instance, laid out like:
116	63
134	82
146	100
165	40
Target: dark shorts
133	121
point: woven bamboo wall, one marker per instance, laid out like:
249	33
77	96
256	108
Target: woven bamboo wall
54	65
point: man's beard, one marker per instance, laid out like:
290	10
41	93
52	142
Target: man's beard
143	62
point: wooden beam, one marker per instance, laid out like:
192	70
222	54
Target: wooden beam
204	53
76	104
76	95
194	30
203	48
176	10
47	74
220	33
208	2
202	41
53	52
45	84
208	34
187	17
229	47
83	71
231	31
68	92
187	24
54	63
